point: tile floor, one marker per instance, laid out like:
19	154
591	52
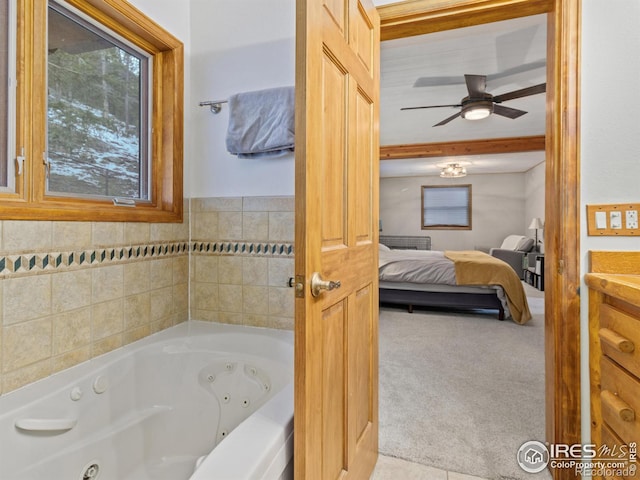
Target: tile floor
390	468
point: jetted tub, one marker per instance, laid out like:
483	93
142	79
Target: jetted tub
199	401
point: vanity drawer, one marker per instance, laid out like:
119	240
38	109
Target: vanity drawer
620	397
620	337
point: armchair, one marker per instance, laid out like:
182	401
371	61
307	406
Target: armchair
513	250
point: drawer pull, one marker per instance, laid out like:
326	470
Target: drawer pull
615	340
624	411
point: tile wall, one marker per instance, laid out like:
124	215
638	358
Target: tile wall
242	258
70	291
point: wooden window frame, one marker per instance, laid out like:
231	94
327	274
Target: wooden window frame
444	226
30	200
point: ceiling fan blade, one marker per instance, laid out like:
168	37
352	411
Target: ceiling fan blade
429	106
508	112
447	120
515	70
523	92
437	81
491	78
476	85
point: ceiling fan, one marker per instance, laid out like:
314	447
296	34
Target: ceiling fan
480	104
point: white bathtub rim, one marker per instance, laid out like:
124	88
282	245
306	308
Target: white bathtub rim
259	448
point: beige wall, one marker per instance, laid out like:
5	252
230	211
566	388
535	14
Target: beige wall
242	259
535	199
73	290
498	210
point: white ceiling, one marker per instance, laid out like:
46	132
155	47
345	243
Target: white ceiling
495	48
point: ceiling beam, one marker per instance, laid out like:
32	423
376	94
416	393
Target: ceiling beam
465	147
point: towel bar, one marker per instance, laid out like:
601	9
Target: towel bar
214	105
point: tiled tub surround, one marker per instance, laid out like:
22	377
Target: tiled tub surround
242	258
73	290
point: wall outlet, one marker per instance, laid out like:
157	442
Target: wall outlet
631	219
615	219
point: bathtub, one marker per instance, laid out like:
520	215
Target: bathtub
198	401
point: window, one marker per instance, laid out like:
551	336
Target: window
446	208
99	114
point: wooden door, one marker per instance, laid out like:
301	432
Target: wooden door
336	332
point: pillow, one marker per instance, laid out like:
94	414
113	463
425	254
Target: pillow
383	248
511	242
525	245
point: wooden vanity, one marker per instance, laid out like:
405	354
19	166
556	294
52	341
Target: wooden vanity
614	355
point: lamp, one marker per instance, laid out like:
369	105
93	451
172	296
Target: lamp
536	224
453	170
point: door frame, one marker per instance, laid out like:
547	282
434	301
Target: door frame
562	194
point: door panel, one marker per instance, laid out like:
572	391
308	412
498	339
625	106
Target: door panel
364	124
334	189
333	405
363	37
336	11
360	360
336	332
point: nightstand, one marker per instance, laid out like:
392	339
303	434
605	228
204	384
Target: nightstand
534	270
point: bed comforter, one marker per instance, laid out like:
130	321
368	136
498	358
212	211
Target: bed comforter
456	268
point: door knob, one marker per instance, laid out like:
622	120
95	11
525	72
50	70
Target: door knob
317	284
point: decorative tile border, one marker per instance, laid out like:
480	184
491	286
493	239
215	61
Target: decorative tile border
44	262
55	261
243	248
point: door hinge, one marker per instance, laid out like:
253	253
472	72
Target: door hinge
560	267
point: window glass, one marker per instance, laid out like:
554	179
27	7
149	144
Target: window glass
97	108
445	207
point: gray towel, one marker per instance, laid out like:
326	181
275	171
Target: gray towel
261	123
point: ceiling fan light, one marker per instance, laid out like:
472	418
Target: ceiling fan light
476	109
477	113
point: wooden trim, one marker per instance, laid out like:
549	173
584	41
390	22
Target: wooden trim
562	232
562	229
464	147
596	299
625	263
418	17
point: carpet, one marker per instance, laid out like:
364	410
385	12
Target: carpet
460	391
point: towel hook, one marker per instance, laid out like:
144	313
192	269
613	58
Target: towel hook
214	105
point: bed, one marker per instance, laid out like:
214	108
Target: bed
461	280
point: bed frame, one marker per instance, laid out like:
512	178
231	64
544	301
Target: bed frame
462	300
448	299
